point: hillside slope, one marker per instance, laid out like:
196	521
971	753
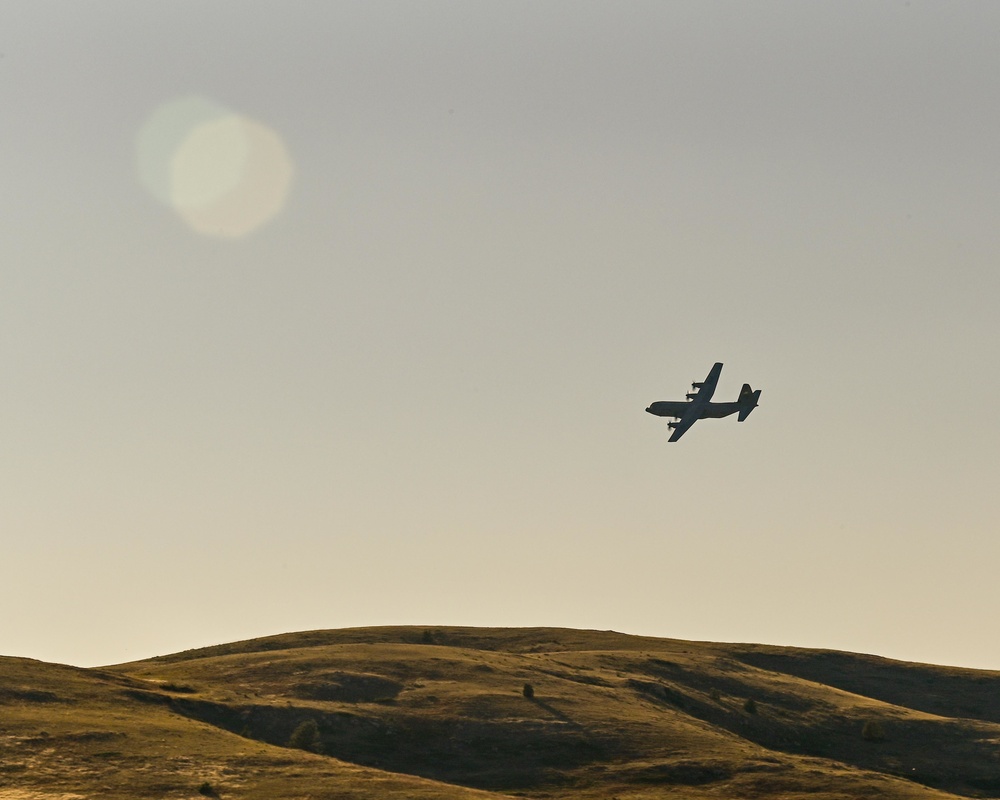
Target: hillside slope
443	713
68	733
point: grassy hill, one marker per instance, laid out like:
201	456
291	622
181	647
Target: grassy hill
445	713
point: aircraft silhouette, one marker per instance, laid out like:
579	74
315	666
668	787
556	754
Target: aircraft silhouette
699	406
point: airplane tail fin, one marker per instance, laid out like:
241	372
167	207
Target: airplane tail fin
748	401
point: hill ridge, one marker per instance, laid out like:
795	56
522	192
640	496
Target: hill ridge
456	711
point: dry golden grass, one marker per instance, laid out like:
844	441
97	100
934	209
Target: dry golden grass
441	714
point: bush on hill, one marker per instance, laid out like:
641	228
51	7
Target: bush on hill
305	736
873	731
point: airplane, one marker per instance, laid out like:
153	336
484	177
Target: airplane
699	406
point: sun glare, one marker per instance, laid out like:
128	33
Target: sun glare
223	173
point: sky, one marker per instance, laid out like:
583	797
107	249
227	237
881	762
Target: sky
321	315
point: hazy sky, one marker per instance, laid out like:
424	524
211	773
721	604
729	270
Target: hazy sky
411	389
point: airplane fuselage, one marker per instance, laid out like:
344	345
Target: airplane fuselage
678	408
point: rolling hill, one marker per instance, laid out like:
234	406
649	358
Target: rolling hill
459	713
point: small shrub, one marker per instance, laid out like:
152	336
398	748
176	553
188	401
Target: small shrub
207	790
305	736
178	688
716	695
428	637
750	706
528	691
872	731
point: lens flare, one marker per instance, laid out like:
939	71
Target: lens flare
223	173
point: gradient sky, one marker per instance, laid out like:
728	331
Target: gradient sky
415	395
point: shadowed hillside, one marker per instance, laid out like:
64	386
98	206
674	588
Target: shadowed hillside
467	712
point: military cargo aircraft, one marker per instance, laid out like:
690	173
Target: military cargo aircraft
699	406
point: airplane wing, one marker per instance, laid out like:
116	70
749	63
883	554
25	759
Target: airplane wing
699	400
707	387
691	416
